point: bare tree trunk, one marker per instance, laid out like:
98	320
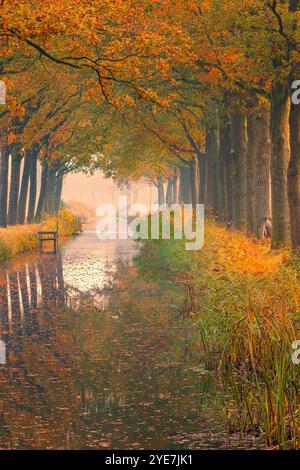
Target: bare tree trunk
251	173
50	193
24	189
169	193
280	154
175	189
239	154
263	178
294	173
160	191
215	181
42	195
209	200
3	185
229	178
33	188
194	181
58	193
16	160
224	155
226	178
202	164
185	185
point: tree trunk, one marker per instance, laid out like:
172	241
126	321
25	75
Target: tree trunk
33	187
280	154
160	191
16	160
3	186
224	155
215	176
58	193
229	180
199	176
42	195
209	171
202	190
169	194
185	185
294	173
50	193
24	189
251	173
225	178
194	181
263	178
175	189
239	154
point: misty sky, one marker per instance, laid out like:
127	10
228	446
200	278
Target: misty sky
94	190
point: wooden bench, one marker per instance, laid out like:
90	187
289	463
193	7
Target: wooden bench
48	236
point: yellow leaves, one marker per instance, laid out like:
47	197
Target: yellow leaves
234	252
15	108
128	100
90	94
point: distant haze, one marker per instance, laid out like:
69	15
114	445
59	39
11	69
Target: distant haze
94	190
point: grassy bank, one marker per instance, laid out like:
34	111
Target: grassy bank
20	238
243	304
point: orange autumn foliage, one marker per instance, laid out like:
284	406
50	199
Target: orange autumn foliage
234	252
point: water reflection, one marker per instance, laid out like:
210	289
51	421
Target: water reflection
93	358
29	293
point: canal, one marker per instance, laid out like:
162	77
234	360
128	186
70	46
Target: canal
94	357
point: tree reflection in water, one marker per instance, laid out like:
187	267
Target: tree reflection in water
103	367
36	353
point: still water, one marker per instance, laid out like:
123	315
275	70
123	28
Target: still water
93	357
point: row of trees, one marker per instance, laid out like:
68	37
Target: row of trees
199	91
232	131
41	133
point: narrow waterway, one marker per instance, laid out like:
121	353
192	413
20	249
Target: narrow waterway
93	357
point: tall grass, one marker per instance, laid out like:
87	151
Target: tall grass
20	238
245	312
